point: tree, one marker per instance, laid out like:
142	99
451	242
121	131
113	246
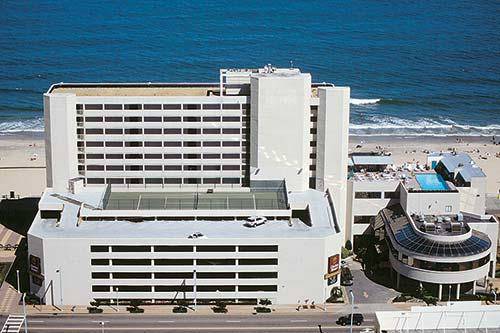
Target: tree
348	245
135	303
265	302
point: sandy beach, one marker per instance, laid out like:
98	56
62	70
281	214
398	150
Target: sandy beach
22	157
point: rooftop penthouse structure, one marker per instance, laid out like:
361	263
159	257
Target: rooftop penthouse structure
232	190
431	216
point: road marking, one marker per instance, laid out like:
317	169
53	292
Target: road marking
166	321
298	321
233	321
100	321
36	321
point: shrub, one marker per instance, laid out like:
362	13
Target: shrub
262	309
265	302
348	245
93	309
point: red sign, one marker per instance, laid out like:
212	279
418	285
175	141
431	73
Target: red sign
333	264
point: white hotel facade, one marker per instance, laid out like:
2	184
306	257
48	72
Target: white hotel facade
150	187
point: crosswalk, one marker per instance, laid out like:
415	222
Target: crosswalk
13	324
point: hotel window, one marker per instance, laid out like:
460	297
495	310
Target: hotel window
230	156
131	275
153	167
216	275
180	288
99	248
192	167
152	119
192	181
211	106
192	107
271	261
215	248
172	156
173	262
172	167
171	119
153	181
114	144
114	167
192	144
230	143
312	144
191	119
231	167
258	275
314	119
230	180
113	119
133	119
211	180
152	144
94	144
368	195
258	288
133	131
215	262
114	156
114	181
174	275
135	289
152	106
211	144
100	275
211	131
391	195
99	262
93	131
172	143
130	248
172	131
95	156
173	248
231	119
447	209
133	156
100	288
215	288
134	181
133	167
95	167
114	131
93	119
211	118
79	106
113	106
175	181
230	106
153	156
258	248
132	107
313	131
192	131
230	131
93	106
171	106
211	167
133	144
192	156
211	156
152	131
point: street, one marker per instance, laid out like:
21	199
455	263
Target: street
191	323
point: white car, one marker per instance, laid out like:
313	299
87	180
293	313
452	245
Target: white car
367	330
257	219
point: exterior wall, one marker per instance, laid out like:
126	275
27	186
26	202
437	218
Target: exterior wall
299	277
280	107
368	207
60	139
430	203
491	229
332	145
473	198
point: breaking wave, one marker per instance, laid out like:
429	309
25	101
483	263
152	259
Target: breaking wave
18	126
366	101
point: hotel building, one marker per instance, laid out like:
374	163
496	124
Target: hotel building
432	218
234	190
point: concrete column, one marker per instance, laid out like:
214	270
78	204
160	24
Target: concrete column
440	292
398	278
458	291
474	287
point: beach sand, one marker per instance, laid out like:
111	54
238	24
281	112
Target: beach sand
21	172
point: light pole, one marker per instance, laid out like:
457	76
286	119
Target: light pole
18	283
449	293
352	308
194	283
494	296
117	303
102	326
58	271
25	314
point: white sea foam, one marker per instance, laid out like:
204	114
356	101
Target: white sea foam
359	101
16	126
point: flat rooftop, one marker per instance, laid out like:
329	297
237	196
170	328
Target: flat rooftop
196	200
136	89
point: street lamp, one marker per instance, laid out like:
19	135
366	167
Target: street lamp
102	326
195	289
117	303
58	271
18	283
449	293
494	296
352	308
25	314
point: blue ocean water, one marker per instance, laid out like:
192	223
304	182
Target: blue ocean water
414	67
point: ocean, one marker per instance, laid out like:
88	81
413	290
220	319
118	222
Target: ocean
414	67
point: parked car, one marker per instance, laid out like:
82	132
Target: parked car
179	309
346	277
357	319
367	330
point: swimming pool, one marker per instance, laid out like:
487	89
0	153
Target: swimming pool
431	182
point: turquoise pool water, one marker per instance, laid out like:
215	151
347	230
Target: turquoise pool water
431	182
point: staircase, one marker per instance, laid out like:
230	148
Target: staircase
13	324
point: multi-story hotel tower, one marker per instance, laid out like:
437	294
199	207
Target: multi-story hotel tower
234	190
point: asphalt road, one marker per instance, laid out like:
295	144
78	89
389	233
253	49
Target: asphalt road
293	323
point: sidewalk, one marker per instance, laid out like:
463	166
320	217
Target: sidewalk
232	309
9	299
